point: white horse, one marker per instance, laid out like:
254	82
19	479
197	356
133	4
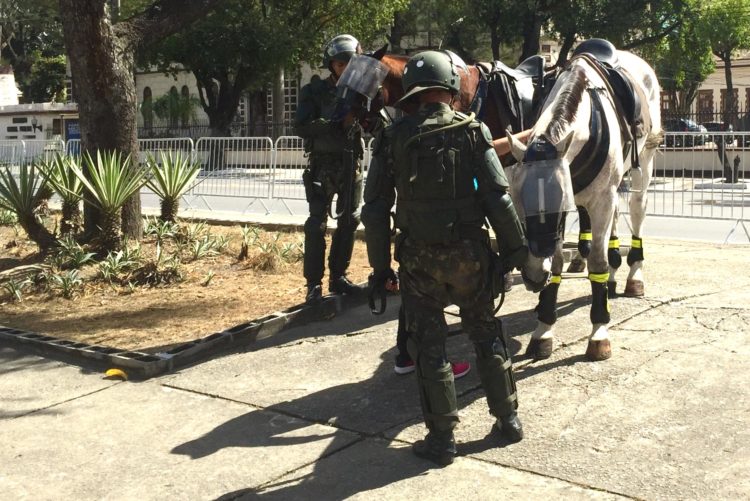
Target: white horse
579	131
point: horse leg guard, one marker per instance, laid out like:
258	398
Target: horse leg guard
496	373
437	393
542	341
578	264
615	261
634	284
599	347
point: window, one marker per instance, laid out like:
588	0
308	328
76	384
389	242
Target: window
147	108
20	120
174	114
12	128
705	105
69	91
186	106
724	104
291	93
546	48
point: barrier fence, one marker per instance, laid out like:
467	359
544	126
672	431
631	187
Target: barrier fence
691	171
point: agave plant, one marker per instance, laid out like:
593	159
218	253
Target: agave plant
170	179
23	197
60	176
110	180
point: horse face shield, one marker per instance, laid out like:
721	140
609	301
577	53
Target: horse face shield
363	76
546	194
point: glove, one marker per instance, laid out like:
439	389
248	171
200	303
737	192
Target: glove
378	285
515	259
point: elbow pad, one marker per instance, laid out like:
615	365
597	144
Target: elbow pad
502	216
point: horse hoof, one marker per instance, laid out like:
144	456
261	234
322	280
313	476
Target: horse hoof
599	350
634	288
611	290
577	265
539	349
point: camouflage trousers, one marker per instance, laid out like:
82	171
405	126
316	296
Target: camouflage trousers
433	277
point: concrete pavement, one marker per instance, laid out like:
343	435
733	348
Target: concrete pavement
317	413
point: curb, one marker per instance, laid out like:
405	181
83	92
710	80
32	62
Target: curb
141	365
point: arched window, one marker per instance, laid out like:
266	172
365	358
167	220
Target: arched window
147	109
186	106
174	107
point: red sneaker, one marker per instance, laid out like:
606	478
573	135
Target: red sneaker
406	367
460	369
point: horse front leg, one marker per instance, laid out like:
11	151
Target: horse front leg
634	287
578	263
543	338
599	347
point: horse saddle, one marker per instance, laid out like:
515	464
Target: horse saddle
605	54
512	90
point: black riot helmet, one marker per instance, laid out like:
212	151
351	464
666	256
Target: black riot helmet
340	48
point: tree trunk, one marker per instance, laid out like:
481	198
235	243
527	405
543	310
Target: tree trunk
729	114
102	66
532	27
278	104
36	231
568	41
495	42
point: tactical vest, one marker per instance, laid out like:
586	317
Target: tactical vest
435	181
324	97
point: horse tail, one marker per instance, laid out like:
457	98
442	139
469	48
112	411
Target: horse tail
654	139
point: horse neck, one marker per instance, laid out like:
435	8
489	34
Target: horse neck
567	109
393	81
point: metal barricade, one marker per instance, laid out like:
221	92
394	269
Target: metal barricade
154	147
238	167
73	147
699	176
290	161
42	149
11	153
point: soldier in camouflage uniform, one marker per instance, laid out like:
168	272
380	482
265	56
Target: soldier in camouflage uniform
440	168
335	153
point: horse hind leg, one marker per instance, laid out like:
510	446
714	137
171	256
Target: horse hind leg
613	257
641	178
543	338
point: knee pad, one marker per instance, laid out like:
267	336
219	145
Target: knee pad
496	373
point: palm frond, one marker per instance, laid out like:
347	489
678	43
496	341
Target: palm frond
23	195
59	174
112	179
173	176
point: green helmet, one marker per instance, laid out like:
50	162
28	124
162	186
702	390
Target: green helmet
430	70
340	48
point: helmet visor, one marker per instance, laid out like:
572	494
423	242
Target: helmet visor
363	74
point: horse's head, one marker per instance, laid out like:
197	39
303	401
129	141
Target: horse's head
542	192
370	82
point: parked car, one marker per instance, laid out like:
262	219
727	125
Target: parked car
720	127
684	125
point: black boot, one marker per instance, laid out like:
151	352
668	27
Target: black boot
314	294
510	428
342	285
440	448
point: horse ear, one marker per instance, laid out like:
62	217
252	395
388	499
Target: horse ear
517	148
380	52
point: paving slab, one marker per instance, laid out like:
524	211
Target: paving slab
378	469
660	420
29	383
337	372
145	441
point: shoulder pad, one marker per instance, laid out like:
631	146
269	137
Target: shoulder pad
485	135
